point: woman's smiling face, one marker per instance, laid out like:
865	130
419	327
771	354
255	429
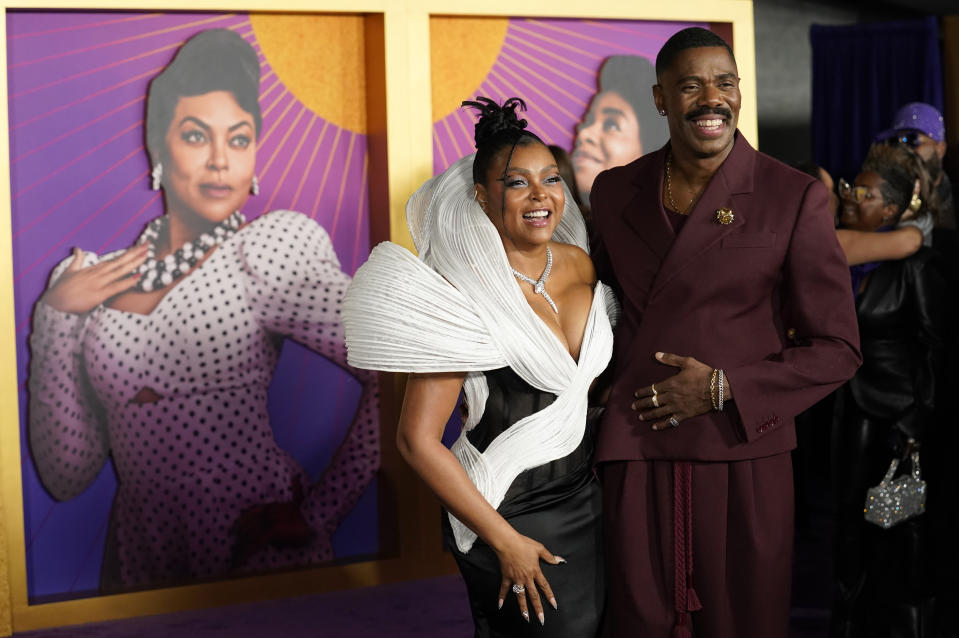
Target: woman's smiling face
527	204
863	207
211	156
608	137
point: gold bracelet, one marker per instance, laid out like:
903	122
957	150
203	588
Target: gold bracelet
712	389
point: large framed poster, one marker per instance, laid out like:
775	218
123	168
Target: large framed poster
209	444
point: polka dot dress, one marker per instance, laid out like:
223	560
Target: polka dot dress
191	461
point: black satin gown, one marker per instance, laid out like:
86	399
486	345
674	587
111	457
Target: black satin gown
558	504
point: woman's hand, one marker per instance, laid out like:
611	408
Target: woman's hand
519	565
79	290
679	397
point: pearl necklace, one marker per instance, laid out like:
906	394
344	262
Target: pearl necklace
539	286
156	274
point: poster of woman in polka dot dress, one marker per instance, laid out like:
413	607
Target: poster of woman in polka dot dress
165	429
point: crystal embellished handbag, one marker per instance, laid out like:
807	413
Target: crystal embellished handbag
896	500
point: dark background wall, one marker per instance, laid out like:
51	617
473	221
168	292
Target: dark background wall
784	62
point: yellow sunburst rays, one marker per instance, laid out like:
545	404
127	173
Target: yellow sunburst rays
53	173
309	167
23	325
86	25
289	128
360	209
658	38
561	76
343	178
87	98
512	41
139	179
92	71
74	194
453	139
326	172
559	43
291	162
76	130
569	33
132	218
133	38
439	147
130	80
334	94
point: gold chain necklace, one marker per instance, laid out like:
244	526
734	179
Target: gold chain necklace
669	188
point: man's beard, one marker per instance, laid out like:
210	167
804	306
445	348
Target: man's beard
933	167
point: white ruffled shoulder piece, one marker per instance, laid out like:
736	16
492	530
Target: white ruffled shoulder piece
459	308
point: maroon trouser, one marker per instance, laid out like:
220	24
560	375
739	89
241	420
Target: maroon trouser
736	560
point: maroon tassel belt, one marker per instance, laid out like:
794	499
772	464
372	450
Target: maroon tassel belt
684	596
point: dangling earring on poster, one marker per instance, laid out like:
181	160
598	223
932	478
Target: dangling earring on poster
157	175
254	186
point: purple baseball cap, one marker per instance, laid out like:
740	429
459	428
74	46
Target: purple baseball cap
917	116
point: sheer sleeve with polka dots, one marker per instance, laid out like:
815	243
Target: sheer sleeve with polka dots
296	287
67	426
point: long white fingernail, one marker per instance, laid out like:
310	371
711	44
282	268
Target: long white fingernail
499	604
542	618
559	559
552	601
526	616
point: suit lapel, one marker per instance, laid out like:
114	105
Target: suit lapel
644	214
702	231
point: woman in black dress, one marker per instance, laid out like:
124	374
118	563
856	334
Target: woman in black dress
888	407
523	503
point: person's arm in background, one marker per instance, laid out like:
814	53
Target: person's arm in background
862	247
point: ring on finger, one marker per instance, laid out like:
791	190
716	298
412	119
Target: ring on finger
652	388
655	401
673	423
518	589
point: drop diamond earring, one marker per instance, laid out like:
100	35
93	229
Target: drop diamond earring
157	176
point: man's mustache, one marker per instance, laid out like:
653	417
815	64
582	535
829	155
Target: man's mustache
709	110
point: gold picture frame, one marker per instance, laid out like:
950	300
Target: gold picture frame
399	133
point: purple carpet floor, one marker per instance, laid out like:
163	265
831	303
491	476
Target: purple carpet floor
422	609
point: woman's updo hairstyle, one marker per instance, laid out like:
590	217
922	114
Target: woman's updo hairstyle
498	127
900	167
212	60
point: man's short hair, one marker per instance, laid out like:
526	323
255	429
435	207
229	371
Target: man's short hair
691	38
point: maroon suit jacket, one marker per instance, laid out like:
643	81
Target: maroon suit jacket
726	295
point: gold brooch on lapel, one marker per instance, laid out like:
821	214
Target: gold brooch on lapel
725	216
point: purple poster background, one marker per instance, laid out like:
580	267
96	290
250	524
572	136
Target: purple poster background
553	65
80	177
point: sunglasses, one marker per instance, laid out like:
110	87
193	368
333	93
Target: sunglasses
906	138
858	194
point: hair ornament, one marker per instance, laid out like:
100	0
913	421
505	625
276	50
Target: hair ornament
495	119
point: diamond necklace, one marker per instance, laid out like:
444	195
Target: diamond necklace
539	286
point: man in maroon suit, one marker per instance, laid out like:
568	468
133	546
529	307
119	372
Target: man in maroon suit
728	258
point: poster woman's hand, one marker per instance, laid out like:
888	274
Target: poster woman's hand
79	290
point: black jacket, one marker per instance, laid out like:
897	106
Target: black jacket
901	324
